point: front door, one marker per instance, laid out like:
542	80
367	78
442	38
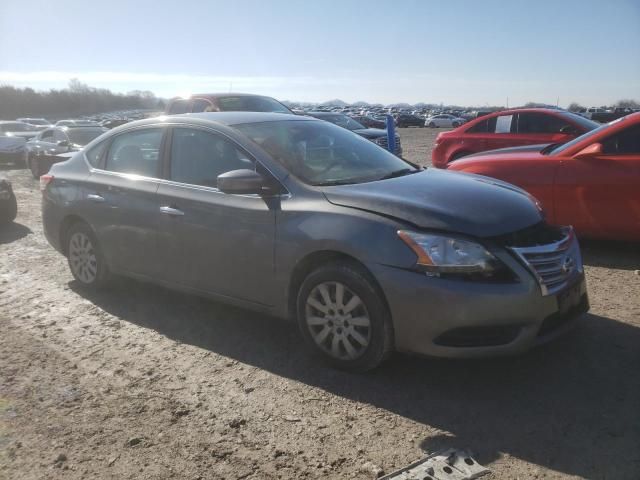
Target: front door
600	194
211	241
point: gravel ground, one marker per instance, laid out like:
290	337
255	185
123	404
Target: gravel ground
140	382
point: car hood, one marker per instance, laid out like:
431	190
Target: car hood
442	200
510	151
371	132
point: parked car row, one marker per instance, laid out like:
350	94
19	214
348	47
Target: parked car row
591	182
362	242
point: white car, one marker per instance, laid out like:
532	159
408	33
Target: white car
444	120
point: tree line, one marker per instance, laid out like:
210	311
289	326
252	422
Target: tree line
76	100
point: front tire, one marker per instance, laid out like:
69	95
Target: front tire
343	318
85	257
432	125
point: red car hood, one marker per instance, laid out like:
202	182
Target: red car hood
527	152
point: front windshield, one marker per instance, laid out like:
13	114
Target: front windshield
343	121
251	104
82	136
580	120
561	148
320	153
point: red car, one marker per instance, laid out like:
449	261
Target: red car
509	128
592	182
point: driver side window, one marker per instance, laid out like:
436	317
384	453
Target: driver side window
198	157
626	142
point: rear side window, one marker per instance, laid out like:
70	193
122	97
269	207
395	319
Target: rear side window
626	142
503	124
198	157
486	126
541	123
94	154
136	152
201	105
178	106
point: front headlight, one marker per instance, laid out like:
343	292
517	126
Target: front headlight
443	254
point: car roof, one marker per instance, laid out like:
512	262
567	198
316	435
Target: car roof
224	118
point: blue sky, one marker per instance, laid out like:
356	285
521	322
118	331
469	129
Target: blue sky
451	51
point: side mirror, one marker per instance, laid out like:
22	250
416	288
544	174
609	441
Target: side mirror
241	182
592	150
63	143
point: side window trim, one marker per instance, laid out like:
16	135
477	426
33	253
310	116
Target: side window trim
161	154
166	165
166	159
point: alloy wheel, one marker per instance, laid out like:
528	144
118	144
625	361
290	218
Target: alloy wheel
338	320
82	258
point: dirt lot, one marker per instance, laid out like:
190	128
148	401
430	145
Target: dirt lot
139	382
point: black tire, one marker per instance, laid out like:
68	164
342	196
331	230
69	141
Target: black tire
379	331
432	125
8	210
455	124
95	274
33	165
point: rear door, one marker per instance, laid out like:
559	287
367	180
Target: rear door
536	127
600	195
501	133
211	241
121	193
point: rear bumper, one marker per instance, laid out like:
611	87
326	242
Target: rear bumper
463	319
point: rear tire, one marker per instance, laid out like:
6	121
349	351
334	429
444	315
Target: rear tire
33	165
8	210
455	124
432	125
343	318
86	261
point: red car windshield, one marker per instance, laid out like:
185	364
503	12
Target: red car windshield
562	147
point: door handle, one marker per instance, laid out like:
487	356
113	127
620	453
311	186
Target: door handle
174	212
94	197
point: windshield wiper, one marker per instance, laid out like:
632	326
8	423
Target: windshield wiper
399	173
330	183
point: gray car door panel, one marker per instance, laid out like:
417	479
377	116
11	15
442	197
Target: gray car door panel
125	216
217	243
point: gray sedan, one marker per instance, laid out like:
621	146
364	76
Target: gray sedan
302	219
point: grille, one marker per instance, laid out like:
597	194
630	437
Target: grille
552	264
382	141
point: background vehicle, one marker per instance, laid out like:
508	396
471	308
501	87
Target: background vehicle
215	203
592	182
369	122
39	123
443	120
376	135
8	203
43	150
225	102
114	122
408	120
509	128
76	123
